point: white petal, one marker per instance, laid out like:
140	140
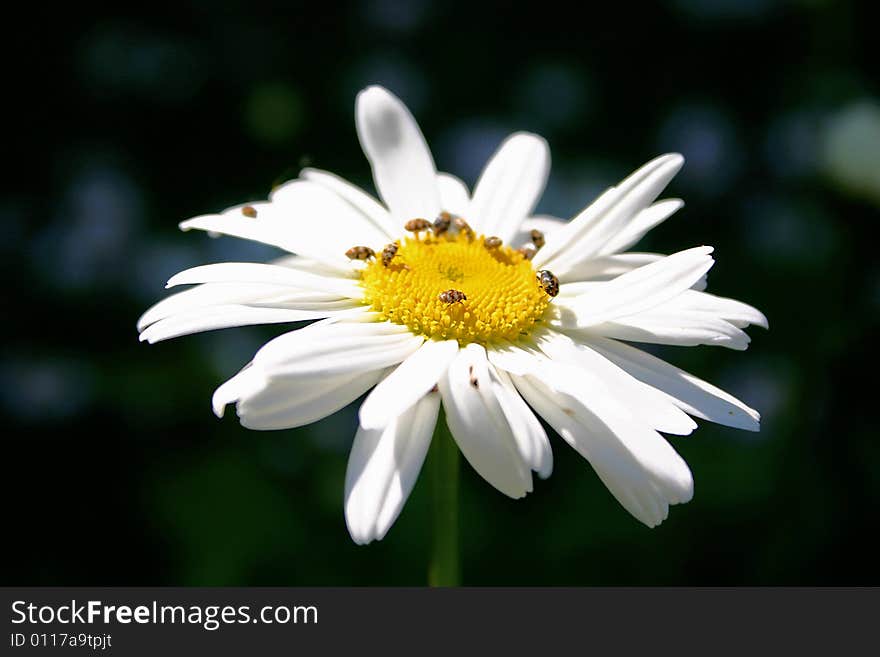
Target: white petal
403	168
315	267
587	233
205	295
479	426
640	289
683	329
644	402
326	224
247	382
604	268
383	467
305	300
558	412
736	312
413	378
302	217
358	198
571	292
227	316
530	437
265	401
301	398
622	473
693	395
266	227
512	359
339	348
639	225
639	467
510	186
454	195
252	272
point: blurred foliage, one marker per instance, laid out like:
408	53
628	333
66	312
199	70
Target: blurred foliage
128	121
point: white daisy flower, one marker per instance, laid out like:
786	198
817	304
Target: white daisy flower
431	297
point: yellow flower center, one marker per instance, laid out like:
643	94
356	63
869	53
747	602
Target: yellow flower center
416	287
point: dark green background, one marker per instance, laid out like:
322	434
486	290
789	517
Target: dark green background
126	122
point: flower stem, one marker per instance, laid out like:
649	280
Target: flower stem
444	461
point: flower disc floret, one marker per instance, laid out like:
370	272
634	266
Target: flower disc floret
502	299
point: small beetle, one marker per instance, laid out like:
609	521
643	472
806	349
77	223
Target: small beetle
417	225
441	223
528	251
463	227
492	243
537	238
249	211
360	253
548	282
452	296
388	253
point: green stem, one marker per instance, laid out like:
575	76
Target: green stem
443	462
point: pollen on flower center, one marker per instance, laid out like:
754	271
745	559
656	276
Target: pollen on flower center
456	286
